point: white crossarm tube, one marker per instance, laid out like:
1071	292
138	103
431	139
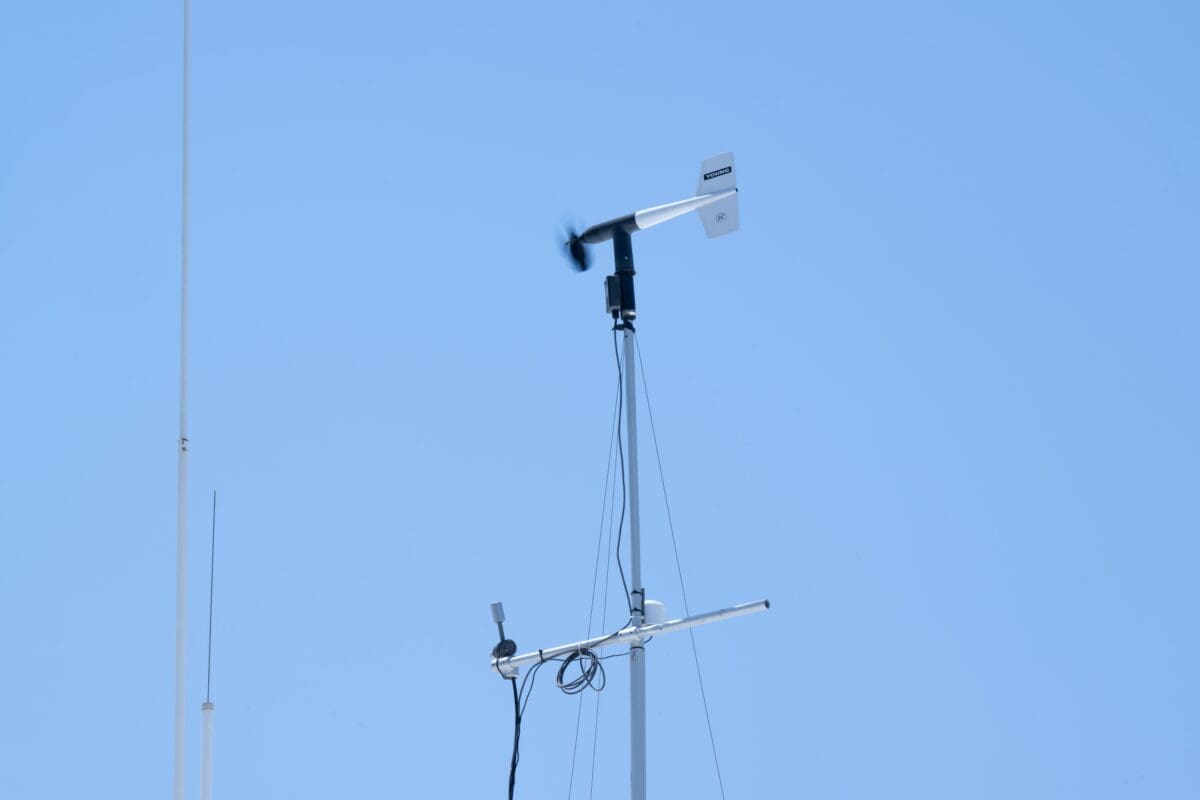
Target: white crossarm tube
509	666
649	217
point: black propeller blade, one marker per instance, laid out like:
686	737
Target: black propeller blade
576	250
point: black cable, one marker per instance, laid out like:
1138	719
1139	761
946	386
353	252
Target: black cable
603	621
589	669
621	458
604	512
516	753
591	673
520	701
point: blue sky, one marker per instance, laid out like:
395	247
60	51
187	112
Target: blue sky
936	399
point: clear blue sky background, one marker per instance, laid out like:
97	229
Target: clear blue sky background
937	399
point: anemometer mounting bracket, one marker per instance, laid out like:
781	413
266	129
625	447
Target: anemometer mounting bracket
618	287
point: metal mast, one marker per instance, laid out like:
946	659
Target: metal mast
623	311
716	203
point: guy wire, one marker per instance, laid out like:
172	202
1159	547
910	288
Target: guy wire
604	505
679	568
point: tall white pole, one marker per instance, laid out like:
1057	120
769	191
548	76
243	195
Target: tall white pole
181	518
637	652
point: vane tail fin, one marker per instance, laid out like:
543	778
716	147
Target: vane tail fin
717	175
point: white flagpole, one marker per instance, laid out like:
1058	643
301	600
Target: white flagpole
181	520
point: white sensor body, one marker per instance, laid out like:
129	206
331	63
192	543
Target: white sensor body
654	612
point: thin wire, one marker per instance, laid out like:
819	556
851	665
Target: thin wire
591	671
679	568
516	752
603	624
604	504
612	507
604	512
621	455
520	700
212	571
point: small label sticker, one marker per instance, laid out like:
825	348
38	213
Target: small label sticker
716	173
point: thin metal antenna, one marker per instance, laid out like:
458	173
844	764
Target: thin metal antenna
206	710
181	520
212	571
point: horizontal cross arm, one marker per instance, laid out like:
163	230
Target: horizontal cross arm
509	666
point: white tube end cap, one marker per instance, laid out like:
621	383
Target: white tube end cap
654	612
